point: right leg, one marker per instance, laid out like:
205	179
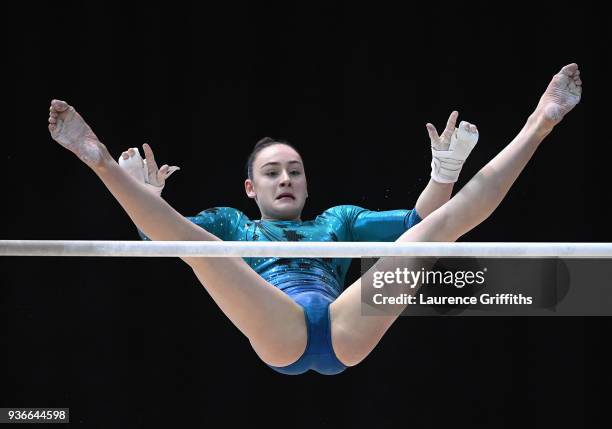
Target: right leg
271	320
355	336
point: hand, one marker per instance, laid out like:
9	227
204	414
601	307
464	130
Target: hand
451	149
145	170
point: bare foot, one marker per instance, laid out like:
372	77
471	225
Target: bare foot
562	94
69	129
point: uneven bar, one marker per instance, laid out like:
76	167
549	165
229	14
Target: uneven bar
300	249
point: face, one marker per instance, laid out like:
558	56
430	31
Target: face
278	170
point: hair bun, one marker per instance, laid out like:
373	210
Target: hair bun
264	141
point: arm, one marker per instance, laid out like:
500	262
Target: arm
434	196
145	171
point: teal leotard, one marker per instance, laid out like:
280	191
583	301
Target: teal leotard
312	282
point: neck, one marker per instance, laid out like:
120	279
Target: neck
264	217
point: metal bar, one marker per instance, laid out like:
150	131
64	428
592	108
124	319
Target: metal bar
300	249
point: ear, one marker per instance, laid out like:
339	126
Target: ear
250	189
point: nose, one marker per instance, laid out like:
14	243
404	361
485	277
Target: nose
285	179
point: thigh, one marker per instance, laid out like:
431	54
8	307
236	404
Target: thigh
270	319
354	336
319	355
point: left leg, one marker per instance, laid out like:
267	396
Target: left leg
354	336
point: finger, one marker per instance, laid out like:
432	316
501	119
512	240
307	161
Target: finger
150	158
148	152
162	174
433	133
450	125
152	168
172	170
166	170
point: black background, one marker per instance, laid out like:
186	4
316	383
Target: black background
130	342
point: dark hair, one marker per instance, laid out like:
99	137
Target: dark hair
259	146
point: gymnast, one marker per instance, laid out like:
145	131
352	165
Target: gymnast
294	312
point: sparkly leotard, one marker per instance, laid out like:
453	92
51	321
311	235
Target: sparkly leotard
312	282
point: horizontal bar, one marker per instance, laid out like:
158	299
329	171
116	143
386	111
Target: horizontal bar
300	249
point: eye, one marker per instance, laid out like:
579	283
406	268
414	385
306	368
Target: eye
295	172
271	173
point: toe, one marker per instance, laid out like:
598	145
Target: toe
569	69
59	105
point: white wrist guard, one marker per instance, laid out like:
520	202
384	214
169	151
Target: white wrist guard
137	168
446	164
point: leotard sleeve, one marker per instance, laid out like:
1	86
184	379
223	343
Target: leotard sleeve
367	225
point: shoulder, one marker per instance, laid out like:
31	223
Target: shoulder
344	211
229	214
224	222
222	211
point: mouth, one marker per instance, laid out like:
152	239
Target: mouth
285	197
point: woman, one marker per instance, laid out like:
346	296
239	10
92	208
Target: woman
314	330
